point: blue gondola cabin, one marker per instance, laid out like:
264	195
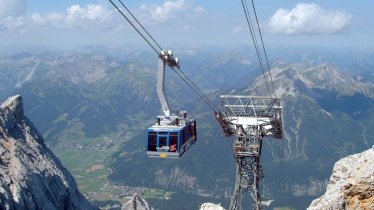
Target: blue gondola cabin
170	139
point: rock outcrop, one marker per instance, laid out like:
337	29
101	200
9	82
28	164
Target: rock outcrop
351	185
136	203
31	176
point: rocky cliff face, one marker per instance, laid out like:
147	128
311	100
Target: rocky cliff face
351	185
31	175
136	203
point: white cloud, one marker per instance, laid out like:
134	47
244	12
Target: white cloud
92	15
187	28
92	12
164	12
199	10
38	19
12	24
236	30
308	19
12	8
55	18
11	18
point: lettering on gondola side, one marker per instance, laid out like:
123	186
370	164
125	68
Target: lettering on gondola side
173	148
163	149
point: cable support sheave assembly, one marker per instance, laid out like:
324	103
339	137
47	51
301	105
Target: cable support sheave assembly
173	64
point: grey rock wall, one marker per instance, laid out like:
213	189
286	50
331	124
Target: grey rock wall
351	184
136	203
31	175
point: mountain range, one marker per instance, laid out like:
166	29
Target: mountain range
327	115
91	92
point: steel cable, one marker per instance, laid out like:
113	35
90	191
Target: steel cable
180	73
132	24
197	90
263	47
253	35
140	24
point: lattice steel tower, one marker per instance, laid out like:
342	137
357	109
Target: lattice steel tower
249	118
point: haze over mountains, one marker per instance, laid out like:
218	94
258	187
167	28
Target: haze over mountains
93	92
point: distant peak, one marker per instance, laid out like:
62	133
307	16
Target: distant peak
136	203
14	104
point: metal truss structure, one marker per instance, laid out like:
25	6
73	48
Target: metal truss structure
249	118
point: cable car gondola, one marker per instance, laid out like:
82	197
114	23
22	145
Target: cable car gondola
172	135
170	138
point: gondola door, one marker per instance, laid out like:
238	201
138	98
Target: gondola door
163	142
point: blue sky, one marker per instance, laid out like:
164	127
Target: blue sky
68	24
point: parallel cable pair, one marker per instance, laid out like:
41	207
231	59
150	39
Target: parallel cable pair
157	48
255	43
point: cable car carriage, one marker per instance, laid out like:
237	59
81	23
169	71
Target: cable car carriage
171	137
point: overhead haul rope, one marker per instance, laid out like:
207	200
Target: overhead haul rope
256	45
263	48
197	90
137	30
155	45
246	11
253	35
140	24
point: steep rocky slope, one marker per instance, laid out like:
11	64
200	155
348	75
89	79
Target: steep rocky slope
31	176
351	185
136	203
70	97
